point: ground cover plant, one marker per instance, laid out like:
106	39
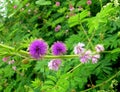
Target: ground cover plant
59	46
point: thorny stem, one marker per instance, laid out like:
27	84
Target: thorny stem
102	82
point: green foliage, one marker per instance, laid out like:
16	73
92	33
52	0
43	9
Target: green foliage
27	20
43	2
74	20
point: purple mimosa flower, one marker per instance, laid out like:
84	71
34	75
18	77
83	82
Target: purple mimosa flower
85	56
14	6
89	2
57	4
5	58
95	58
57	28
99	48
38	48
78	49
54	64
58	48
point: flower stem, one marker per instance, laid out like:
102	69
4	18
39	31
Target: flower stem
62	56
26	54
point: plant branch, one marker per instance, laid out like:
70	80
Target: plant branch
103	83
26	54
89	40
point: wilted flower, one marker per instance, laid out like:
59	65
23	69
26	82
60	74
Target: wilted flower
29	11
38	48
11	62
27	4
54	64
78	49
57	4
71	8
99	48
89	2
67	16
95	58
58	48
85	56
14	68
80	8
57	28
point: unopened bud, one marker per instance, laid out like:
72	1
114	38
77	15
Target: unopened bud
25	61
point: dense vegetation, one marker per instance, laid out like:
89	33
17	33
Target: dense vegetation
88	22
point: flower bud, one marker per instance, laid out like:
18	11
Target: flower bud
25	61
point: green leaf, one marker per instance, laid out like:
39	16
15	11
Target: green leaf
49	82
46	87
74	20
43	2
116	50
53	78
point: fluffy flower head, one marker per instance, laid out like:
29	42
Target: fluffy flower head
85	56
78	49
38	48
5	58
57	3
54	64
95	58
89	2
57	28
58	48
99	48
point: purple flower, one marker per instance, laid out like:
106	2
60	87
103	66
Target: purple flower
38	48
99	48
57	4
95	58
58	48
57	28
5	58
14	6
85	56
78	49
54	64
89	2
